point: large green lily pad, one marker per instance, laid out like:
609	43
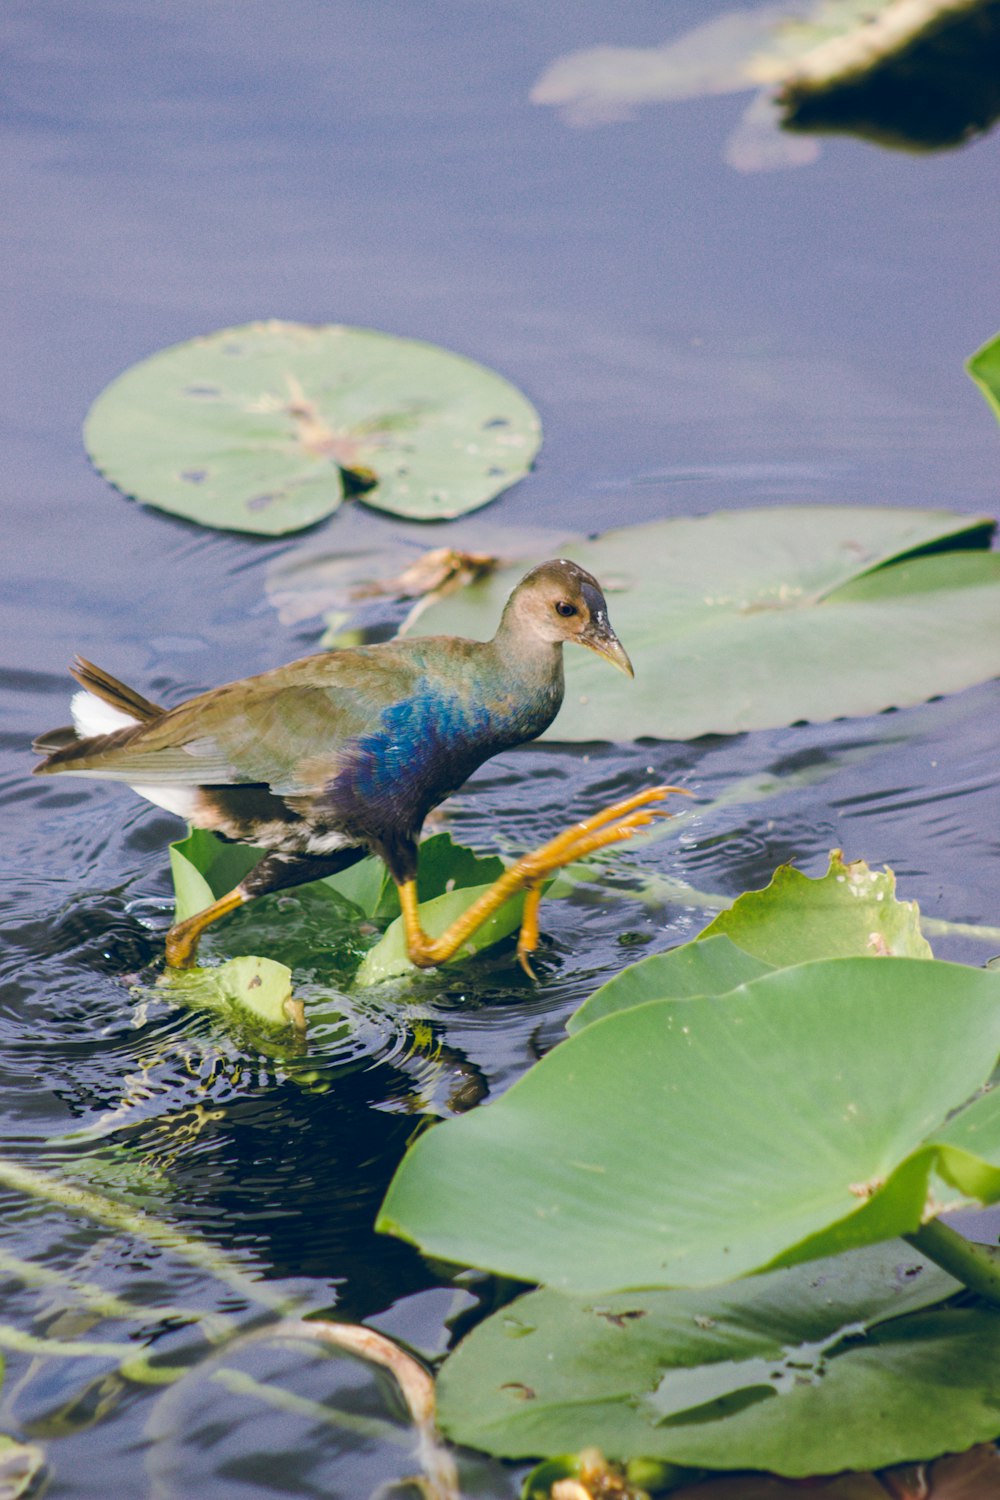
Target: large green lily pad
807	1370
712	967
688	1142
751	619
253	428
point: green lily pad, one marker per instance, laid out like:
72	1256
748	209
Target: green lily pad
712	967
389	959
838	1364
253	428
758	618
984	367
918	77
851	911
204	868
683	1143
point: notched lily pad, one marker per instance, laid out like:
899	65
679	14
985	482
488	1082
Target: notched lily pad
851	911
264	428
752	619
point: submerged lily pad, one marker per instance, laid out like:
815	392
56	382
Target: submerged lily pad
450	877
254	428
757	618
252	989
838	1364
681	1142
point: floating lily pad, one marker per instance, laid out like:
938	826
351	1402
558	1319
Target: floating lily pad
681	1143
911	74
360	572
712	967
838	1364
388	959
757	618
850	911
254	428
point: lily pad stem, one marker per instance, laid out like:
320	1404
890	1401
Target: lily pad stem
976	1266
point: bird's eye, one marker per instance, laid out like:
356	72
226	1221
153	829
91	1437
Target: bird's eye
566	609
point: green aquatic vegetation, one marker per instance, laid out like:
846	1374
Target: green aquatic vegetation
984	367
450	878
266	428
787	1371
801	1087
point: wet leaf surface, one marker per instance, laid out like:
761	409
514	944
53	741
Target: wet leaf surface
801	1371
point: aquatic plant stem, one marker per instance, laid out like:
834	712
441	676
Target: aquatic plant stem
439	1477
106	1304
76	1200
976	1266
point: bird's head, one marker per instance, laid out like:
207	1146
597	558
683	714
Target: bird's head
560	601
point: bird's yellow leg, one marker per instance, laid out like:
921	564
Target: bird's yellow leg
615	823
182	939
527	938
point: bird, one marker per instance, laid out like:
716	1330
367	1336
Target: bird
344	753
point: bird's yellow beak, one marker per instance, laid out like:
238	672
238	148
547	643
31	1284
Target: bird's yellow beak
599	637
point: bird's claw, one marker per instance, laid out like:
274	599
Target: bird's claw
611	825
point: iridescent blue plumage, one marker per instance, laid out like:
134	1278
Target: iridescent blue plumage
344	753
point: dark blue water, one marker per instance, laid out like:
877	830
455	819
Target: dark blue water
694	338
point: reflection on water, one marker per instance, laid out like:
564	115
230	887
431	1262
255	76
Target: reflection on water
921	78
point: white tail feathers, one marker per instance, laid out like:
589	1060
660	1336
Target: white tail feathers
91	715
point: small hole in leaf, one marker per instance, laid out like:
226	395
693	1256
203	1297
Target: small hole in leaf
496	422
260	501
194	476
496	473
206	391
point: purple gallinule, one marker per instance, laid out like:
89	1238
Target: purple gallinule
344	753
